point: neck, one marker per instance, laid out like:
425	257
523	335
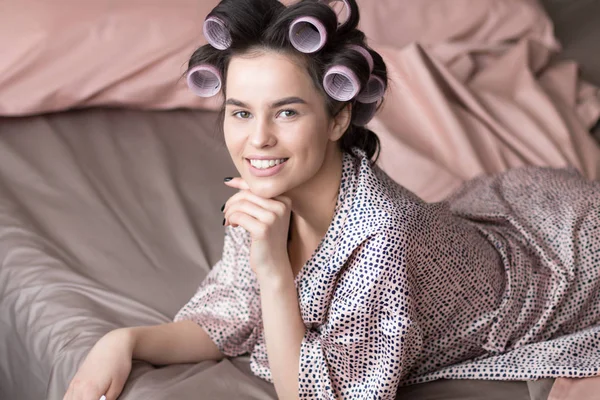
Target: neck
313	204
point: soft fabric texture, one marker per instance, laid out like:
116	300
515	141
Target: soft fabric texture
68	53
459	109
504	274
110	218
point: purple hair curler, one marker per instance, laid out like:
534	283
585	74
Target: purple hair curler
365	53
373	91
216	33
204	80
308	34
364	113
341	83
338	10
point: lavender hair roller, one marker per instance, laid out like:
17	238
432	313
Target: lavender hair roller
308	34
204	80
341	83
216	33
373	91
365	53
338	11
364	113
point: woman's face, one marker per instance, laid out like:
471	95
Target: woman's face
276	125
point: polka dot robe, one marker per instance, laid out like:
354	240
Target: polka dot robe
500	281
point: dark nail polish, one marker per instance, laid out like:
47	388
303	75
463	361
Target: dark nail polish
227	179
222	207
223	221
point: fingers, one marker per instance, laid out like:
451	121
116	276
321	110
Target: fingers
252	209
114	390
85	391
285	200
245	195
278	206
238	183
257	229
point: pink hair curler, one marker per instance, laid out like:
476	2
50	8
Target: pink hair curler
341	83
216	33
373	91
308	34
204	80
342	11
365	113
365	53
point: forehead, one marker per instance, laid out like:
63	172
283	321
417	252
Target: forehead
268	74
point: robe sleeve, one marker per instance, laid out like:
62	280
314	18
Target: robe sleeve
369	340
227	303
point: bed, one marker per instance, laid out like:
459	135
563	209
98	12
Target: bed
111	185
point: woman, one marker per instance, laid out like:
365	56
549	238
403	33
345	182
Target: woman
339	282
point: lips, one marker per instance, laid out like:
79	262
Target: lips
263	167
264	164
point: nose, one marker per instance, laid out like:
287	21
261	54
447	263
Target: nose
262	135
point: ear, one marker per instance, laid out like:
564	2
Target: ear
340	123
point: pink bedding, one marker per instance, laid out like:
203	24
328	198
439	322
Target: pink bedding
447	122
67	53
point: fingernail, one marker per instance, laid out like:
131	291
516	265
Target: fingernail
222	207
227	179
223	221
103	397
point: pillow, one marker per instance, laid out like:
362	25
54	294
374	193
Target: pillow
400	22
69	53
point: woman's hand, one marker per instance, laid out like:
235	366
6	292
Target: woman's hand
105	369
267	221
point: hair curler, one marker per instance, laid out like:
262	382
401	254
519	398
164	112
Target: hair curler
365	53
204	80
341	83
216	33
342	11
373	90
307	34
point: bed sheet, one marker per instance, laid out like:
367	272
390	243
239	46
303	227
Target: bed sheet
110	218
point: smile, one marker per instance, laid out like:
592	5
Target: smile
265	164
265	168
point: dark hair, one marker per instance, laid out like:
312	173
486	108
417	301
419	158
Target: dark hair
265	24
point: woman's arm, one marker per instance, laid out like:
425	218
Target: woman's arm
284	331
108	364
172	343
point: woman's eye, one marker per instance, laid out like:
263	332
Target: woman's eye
288	113
241	114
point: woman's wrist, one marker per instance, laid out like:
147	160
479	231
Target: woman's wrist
276	278
126	336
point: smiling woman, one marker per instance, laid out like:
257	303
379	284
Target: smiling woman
277	126
339	282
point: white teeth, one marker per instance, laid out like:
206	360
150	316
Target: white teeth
264	164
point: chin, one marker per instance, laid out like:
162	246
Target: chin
265	190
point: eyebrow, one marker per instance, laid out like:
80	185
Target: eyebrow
278	103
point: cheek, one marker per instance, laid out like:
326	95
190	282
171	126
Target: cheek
313	134
232	140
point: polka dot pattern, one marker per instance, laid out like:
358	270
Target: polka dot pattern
500	281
